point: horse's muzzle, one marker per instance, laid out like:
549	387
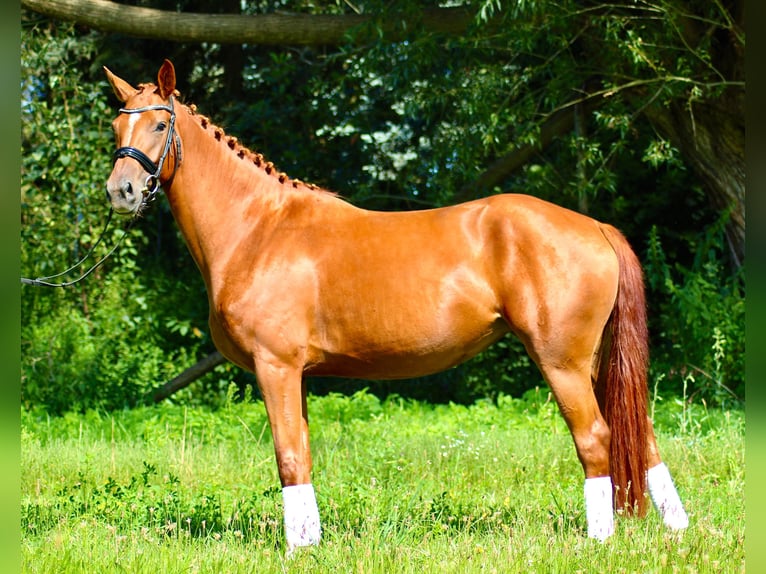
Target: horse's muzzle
125	197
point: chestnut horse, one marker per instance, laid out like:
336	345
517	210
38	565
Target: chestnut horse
301	282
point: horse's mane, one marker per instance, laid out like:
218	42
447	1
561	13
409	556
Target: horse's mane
240	150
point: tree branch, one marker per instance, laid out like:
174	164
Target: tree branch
264	29
561	121
187	377
557	124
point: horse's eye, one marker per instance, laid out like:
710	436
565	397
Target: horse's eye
161	127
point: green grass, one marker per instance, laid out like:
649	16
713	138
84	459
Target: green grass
402	487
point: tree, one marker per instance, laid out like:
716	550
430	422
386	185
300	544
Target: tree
679	62
595	106
700	108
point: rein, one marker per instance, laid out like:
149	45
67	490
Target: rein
43	281
151	187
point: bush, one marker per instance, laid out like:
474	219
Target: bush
698	320
141	318
109	356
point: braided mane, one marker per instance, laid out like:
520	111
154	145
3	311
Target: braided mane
246	154
242	152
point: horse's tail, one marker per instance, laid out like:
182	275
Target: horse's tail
622	380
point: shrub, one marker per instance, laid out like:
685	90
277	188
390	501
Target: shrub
698	320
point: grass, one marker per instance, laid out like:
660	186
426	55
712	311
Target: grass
402	487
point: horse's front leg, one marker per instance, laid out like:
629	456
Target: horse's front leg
284	394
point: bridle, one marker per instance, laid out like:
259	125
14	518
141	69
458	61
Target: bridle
151	185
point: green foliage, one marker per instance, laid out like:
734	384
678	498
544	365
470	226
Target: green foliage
390	125
64	139
700	320
109	357
109	340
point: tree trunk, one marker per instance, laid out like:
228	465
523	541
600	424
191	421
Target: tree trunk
710	132
711	137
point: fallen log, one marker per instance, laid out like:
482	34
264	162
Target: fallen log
202	367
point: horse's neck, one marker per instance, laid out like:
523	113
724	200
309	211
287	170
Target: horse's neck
217	197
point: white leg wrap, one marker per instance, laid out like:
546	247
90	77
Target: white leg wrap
301	516
665	497
598	507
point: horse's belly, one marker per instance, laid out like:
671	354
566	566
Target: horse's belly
385	354
399	321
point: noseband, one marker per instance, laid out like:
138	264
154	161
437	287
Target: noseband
154	169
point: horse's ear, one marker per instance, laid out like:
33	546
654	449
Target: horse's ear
122	89
166	79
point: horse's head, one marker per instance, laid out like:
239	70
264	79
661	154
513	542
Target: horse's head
144	134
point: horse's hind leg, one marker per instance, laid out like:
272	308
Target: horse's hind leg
577	402
284	394
662	490
572	388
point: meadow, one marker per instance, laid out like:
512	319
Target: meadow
402	486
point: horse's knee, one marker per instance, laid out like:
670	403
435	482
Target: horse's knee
592	445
